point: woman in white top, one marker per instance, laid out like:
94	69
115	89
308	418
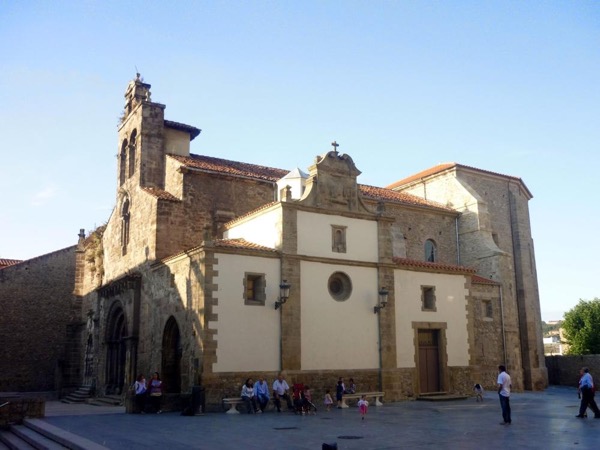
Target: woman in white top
248	396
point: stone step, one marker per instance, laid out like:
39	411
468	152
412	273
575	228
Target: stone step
66	438
106	401
440	397
35	439
14	442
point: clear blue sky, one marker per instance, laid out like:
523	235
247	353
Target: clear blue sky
511	87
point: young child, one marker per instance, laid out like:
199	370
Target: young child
478	392
363	406
328	400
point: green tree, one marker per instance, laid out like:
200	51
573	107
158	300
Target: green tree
582	328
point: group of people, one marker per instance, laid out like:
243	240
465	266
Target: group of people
148	396
256	396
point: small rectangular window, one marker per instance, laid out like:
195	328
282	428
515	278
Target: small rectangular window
338	238
428	298
488	311
254	289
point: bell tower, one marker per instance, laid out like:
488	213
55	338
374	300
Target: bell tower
141	139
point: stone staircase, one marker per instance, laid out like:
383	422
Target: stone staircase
40	435
440	397
81	395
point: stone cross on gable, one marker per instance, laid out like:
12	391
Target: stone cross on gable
335	145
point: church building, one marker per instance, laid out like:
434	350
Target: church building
211	271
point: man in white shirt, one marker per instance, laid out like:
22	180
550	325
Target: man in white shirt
281	390
504	386
586	392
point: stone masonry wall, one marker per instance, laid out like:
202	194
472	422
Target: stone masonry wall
564	370
36	298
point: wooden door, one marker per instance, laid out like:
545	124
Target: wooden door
429	361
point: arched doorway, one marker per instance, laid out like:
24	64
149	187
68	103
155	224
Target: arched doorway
171	356
116	334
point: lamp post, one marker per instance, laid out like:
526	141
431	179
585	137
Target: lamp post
383	299
284	294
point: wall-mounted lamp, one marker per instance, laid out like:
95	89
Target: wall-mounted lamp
383	299
284	294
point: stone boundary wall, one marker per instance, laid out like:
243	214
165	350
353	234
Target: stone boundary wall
36	298
564	370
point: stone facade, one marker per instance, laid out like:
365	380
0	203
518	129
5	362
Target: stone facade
37	306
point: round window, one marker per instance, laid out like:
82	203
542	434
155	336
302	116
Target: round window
340	286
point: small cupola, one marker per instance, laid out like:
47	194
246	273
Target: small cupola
296	180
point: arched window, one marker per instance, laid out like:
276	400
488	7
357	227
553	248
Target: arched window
430	251
123	161
132	146
125	225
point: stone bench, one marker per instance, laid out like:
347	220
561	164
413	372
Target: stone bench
232	403
357	396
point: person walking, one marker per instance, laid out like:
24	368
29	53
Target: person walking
586	392
504	385
363	406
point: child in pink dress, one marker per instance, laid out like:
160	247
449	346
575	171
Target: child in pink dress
363	406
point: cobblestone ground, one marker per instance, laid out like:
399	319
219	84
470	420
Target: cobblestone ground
544	420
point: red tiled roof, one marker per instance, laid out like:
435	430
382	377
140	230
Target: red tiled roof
442	167
480	280
225	166
432	266
425	173
241	243
183	127
377	193
9	262
160	194
249	213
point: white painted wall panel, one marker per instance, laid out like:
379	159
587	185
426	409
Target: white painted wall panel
451	305
314	236
264	229
338	335
247	335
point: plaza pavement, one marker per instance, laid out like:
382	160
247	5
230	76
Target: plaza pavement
541	420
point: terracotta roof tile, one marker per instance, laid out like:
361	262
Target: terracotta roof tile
377	193
160	194
9	262
225	166
183	127
442	167
405	262
249	213
480	280
242	244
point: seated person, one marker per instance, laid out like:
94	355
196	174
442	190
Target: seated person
281	390
248	396
261	393
351	388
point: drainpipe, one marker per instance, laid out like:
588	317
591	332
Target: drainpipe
502	327
457	241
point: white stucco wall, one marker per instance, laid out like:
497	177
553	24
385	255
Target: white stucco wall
263	229
247	335
314	236
177	142
338	335
451	308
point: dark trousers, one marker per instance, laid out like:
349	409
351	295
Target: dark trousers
505	405
587	399
250	403
262	401
140	402
277	400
